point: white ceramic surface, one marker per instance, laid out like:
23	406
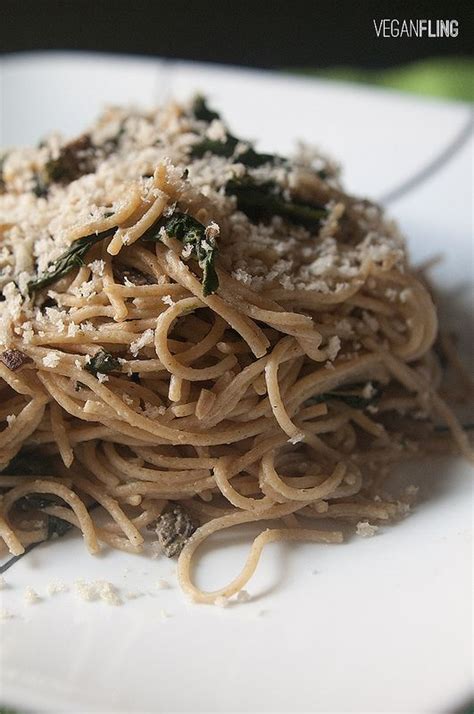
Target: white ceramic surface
374	625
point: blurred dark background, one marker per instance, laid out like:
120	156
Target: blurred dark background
271	34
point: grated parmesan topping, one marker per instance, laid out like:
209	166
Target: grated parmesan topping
153	412
97	590
123	149
56	586
52	359
145	339
31	597
334	345
365	529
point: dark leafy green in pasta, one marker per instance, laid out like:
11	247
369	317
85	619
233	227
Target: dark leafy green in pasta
249	157
55	527
102	362
261	201
253	159
214	146
72	258
190	232
3	158
29	463
227	148
201	111
351	395
40	186
75	159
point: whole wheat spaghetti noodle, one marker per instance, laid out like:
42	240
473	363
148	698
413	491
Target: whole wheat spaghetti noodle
195	336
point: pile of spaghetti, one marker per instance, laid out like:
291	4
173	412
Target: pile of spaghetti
195	335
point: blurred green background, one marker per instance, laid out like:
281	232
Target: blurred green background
445	78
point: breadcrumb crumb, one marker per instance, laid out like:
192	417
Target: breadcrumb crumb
365	529
52	359
57	586
97	589
31	597
243	596
133	595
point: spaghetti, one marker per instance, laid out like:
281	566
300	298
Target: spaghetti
192	328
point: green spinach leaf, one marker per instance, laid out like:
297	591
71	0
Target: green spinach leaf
218	148
57	527
261	201
249	157
30	463
102	362
201	111
190	232
72	258
351	395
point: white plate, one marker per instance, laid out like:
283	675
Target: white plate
375	625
